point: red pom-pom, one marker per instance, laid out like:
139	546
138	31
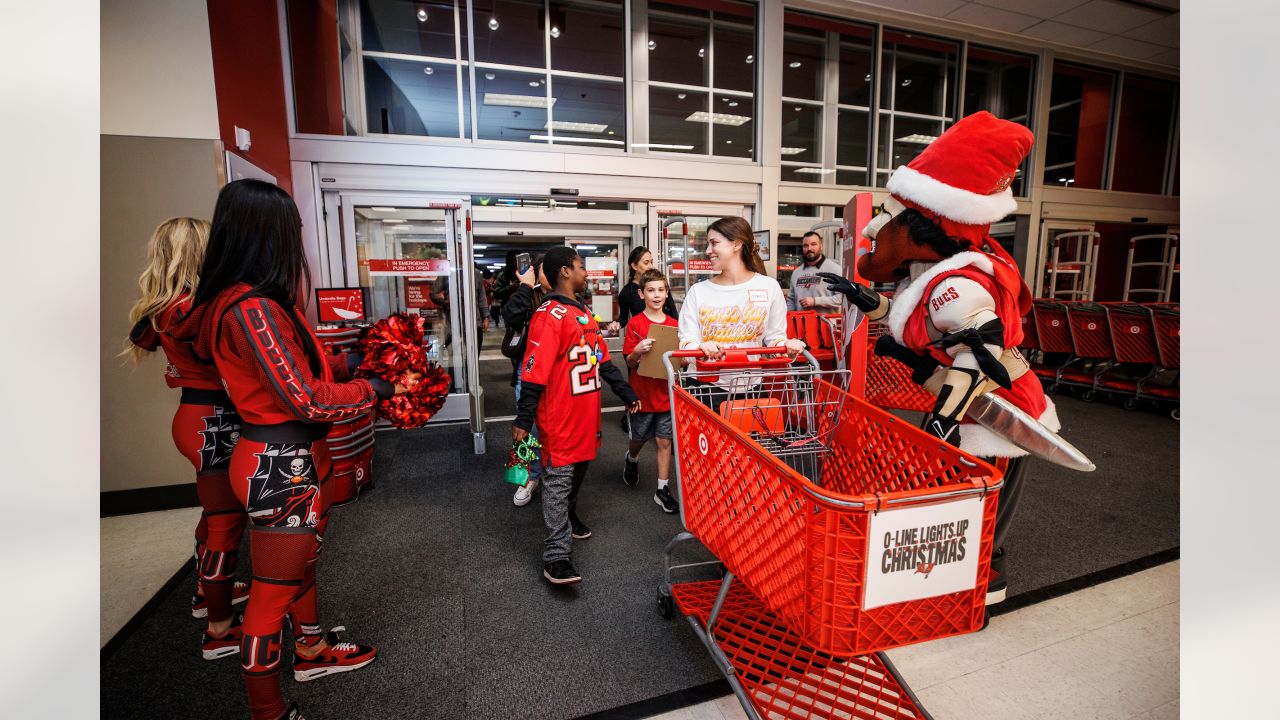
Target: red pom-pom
392	348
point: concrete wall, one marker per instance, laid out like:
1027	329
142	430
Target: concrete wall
160	155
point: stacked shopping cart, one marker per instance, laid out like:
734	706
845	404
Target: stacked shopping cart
350	441
841	530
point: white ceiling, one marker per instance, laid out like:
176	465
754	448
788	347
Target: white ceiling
1144	30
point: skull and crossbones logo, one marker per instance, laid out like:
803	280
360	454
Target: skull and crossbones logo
297	467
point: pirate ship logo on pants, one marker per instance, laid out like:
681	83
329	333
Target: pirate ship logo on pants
283	489
220	434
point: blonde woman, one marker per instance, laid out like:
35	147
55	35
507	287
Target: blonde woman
739	307
205	427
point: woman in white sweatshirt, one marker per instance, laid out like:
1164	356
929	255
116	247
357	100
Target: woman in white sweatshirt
738	307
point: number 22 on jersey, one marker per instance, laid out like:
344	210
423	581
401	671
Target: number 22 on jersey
583	374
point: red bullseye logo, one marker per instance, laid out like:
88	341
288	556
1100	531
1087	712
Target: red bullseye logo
359	473
702	443
1054	323
1135	330
1093	326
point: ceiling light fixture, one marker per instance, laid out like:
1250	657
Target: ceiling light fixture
534	83
702	52
392	220
718	118
555	31
906	83
429	70
917	139
479	247
587	247
813	171
792	150
681	96
567	126
751	59
867	78
422	16
662	146
489	76
563	139
652	45
493	23
508	100
382	209
795	64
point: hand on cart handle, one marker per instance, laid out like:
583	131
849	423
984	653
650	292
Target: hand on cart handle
711	350
794	347
633	408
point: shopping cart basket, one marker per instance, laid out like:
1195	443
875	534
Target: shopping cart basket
782	475
889	383
1167	317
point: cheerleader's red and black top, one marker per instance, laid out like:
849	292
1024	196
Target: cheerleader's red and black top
257	345
183	369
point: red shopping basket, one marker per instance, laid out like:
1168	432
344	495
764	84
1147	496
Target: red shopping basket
803	547
889	382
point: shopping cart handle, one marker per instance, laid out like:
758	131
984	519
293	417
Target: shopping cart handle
738	358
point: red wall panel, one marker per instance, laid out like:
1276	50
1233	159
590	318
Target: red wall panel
317	72
249	81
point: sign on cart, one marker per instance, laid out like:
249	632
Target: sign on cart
923	551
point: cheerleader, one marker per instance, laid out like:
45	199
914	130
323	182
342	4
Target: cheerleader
205	427
249	318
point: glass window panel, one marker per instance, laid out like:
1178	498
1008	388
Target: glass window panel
853	138
1001	83
510	32
679	48
907	138
811	174
734	56
511	105
669	128
850	177
590	113
1144	134
320	53
1079	123
919	74
797	210
790	256
803	62
731	138
406	97
855	73
408	27
588	37
802	132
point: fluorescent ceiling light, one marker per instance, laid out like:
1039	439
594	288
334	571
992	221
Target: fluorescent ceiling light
586	247
792	150
917	139
503	99
662	146
382	209
795	64
391	220
813	171
478	246
575	126
562	139
718	118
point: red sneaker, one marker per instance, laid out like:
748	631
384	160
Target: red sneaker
200	607
229	644
338	657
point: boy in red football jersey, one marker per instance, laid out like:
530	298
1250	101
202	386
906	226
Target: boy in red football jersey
563	365
655	421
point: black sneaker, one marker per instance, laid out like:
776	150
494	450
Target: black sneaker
561	572
630	470
664	498
580	529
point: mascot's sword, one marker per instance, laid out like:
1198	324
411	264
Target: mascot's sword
997	414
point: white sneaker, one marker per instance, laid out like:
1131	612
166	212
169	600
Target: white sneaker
525	494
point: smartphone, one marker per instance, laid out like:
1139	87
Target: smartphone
523	263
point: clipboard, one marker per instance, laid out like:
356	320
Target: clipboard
665	339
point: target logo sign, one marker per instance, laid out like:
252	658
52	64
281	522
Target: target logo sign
1055	323
1135	330
359	474
702	443
1093	326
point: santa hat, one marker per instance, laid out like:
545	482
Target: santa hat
962	179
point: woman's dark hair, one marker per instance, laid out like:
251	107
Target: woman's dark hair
736	229
924	231
256	238
633	258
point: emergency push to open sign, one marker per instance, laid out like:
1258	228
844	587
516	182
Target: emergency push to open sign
922	551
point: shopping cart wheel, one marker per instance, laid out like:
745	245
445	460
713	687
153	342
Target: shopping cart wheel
1130	404
1089	395
1051	389
666	604
1176	414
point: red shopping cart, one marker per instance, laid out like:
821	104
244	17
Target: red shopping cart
785	477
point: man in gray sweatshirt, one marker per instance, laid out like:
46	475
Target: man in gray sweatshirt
808	292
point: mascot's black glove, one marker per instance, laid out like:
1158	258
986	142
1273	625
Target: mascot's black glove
862	297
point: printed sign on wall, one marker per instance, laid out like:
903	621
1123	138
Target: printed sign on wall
339	304
922	552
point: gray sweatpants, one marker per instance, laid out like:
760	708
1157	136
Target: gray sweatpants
560	487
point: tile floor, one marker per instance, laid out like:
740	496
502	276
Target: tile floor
1110	651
